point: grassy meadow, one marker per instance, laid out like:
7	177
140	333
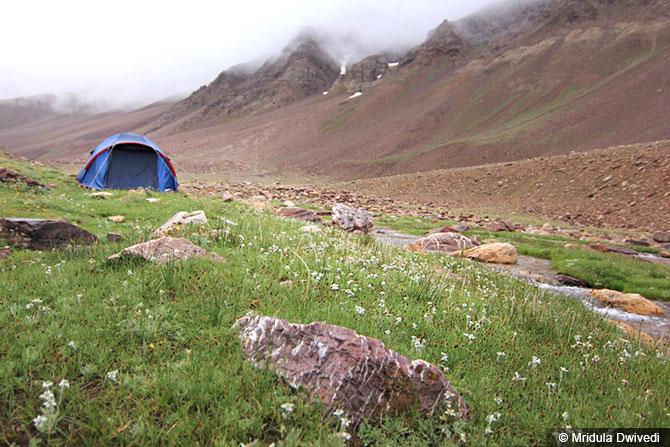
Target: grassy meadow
142	354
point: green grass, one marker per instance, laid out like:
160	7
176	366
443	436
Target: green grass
182	378
599	270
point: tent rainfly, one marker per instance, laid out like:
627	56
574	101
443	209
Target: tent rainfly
128	161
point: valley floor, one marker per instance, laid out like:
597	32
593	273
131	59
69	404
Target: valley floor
150	356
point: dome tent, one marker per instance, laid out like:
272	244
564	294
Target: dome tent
127	161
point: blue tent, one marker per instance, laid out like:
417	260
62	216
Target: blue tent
127	161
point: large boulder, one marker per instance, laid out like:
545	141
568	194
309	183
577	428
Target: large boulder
450	243
179	220
630	302
43	234
165	249
352	219
346	371
494	253
298	213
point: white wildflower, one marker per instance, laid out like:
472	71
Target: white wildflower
288	407
63	384
535	362
111	375
517	377
359	310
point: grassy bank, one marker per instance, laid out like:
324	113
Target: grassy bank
599	270
150	357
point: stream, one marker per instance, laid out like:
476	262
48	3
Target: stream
539	272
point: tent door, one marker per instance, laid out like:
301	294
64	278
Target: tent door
132	166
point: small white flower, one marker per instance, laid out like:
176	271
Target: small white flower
444	357
47	384
501	355
551	385
41	422
72	345
288	407
535	362
63	384
517	377
359	310
111	375
337	413
344	435
334	287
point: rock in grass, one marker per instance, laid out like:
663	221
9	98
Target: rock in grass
494	253
352	219
43	234
179	220
116	219
347	371
227	196
9	176
630	302
5	252
498	225
114	237
662	237
450	243
165	249
100	194
298	213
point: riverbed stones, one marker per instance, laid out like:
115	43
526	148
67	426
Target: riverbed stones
450	243
165	249
43	234
346	371
179	220
629	302
493	253
349	218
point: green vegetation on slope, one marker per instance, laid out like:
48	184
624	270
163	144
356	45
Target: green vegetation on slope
150	356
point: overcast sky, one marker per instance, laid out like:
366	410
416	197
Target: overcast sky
127	51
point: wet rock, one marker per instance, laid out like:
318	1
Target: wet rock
43	234
662	237
310	229
352	219
165	249
444	242
100	194
298	213
116	219
630	302
179	220
114	237
570	281
495	253
347	371
9	176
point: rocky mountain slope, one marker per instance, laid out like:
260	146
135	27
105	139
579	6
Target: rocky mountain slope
515	81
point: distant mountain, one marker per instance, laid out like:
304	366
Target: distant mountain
302	69
517	80
20	111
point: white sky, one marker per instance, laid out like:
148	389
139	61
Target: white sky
134	51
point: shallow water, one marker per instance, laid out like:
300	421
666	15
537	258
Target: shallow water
539	273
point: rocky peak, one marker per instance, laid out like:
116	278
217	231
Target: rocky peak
361	75
443	41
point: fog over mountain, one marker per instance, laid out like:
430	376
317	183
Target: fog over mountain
130	53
